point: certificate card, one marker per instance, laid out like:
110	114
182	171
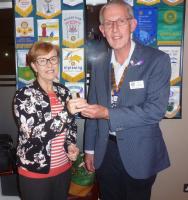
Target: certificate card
175	57
73	28
24	32
24	73
73	64
48	30
146	30
173	108
77	87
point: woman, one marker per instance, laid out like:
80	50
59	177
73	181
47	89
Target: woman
47	131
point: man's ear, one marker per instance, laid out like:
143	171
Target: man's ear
133	25
101	28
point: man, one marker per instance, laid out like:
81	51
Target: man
128	96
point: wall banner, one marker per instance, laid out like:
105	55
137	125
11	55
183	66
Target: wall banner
73	28
23	7
170	25
146	30
73	64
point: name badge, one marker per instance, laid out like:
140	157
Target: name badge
136	84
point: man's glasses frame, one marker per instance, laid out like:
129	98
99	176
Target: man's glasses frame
119	22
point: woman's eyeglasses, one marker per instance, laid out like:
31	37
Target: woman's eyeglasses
43	61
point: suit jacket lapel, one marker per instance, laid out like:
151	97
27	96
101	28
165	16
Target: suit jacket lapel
107	76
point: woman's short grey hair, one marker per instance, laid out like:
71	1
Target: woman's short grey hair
115	2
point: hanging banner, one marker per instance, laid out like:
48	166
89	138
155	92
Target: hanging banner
24	32
148	2
48	30
23	7
146	30
73	28
73	64
48	8
170	25
173	108
173	2
174	53
24	73
72	2
95	2
130	2
77	88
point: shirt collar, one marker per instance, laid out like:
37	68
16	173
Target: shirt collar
126	62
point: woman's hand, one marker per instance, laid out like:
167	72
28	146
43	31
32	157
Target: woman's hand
73	152
76	105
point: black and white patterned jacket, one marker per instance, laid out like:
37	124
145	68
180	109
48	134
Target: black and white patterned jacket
37	127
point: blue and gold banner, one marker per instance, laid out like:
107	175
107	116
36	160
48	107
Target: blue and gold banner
24	28
146	31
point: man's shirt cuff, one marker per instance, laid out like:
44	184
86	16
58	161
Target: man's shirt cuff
89	151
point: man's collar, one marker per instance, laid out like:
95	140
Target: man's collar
113	59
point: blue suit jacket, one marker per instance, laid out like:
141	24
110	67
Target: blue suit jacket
142	104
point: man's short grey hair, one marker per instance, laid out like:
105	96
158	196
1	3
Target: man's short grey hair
115	2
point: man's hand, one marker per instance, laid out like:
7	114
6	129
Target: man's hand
89	162
95	111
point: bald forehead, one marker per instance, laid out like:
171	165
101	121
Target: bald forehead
113	10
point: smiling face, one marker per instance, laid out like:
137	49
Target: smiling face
117	27
48	72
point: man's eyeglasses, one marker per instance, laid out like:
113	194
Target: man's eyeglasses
119	22
43	61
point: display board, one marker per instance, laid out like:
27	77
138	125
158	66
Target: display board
60	22
161	25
